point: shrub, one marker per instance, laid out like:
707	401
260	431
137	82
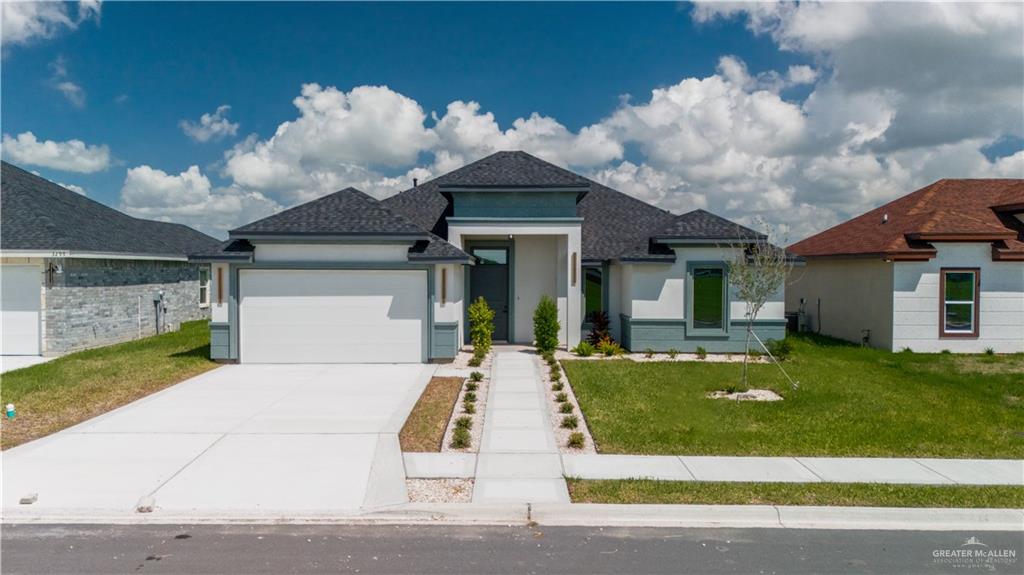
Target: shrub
545	325
945	352
570	422
989	351
575	440
555	372
460	438
470	397
464	422
906	350
584	349
648	353
557	386
555	376
469	408
471	386
481	326
753	353
551	360
608	348
476	376
475	361
600	328
672	353
566	408
780	349
701	352
562	397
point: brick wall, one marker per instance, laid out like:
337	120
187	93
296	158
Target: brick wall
97	302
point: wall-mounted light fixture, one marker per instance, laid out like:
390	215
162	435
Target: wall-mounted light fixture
444	285
574	269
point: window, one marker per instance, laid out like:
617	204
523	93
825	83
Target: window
592	293
959	294
707	304
491	256
204	287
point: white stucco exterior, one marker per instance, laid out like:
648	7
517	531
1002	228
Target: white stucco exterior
330	253
916	302
845	297
536	275
448	304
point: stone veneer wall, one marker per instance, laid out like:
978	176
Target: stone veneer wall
95	302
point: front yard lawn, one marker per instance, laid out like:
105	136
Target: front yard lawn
852	401
835	494
68	390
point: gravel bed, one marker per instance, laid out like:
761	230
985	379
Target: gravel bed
439	490
641	357
555	416
476	433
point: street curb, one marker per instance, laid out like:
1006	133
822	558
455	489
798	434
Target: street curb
578	514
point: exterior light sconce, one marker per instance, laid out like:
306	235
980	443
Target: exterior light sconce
444	285
573	269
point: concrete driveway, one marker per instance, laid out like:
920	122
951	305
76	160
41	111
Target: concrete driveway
260	439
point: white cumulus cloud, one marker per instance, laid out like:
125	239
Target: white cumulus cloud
24	22
210	126
69	156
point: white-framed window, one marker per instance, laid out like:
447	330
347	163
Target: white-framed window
959	313
204	287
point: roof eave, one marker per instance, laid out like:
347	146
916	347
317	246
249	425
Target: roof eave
317	237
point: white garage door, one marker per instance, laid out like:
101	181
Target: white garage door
332	316
19	309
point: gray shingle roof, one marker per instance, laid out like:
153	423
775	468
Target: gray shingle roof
510	170
702	225
347	212
37	214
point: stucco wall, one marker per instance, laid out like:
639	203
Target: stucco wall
451	308
917	305
331	252
536	274
855	294
97	302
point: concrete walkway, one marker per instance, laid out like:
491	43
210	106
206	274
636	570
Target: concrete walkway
518	460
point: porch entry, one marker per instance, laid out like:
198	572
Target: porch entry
489	279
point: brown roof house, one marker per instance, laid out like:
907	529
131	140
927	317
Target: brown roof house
939	269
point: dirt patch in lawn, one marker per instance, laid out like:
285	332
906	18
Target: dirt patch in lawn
424	429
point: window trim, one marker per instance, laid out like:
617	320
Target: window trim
974	333
705	332
204	287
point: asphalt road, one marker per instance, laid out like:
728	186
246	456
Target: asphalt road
451	550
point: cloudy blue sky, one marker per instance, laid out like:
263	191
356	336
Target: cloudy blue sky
216	114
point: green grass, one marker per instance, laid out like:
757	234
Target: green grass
852	401
835	494
78	386
424	428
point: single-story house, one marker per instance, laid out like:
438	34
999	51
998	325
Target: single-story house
939	269
77	274
347	278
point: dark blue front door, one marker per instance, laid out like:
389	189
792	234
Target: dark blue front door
489	279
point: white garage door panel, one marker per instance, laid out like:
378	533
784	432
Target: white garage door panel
19	309
332	316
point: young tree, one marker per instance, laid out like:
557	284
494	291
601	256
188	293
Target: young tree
756	271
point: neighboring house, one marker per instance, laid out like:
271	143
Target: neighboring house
77	274
347	278
939	269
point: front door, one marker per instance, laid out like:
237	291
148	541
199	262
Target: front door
489	279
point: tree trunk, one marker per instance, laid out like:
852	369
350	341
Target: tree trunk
746	354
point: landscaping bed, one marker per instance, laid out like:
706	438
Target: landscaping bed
833	494
852	401
424	429
60	393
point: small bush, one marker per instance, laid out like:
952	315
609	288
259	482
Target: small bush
701	352
672	353
460	438
780	349
600	328
545	325
481	326
556	368
470	397
476	376
562	397
472	386
464	422
753	354
584	349
555	376
570	422
989	351
566	408
557	386
609	348
469	408
945	352
648	353
576	440
475	361
906	350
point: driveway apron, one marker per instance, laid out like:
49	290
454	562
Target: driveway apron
518	459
